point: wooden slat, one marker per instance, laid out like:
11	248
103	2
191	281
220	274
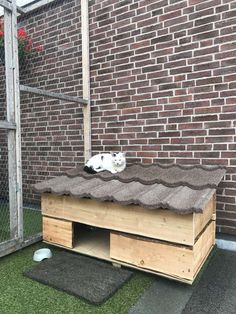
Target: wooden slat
21	10
35	5
7	125
159	224
13	245
10	100
58	231
8	247
203	246
86	77
173	260
16	84
200	220
214	207
157	256
6	5
44	93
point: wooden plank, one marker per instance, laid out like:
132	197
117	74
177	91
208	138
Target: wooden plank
6	5
21	10
58	231
154	223
44	93
86	78
173	260
10	100
8	247
35	5
154	255
214	207
11	246
200	220
203	246
7	125
16	88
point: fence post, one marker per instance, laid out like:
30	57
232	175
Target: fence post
13	116
86	77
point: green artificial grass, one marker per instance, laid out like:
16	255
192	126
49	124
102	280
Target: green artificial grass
19	294
32	220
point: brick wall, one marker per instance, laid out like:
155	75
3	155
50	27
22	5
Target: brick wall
163	76
163	88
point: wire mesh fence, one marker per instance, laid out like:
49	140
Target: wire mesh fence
4	189
49	36
4	181
50	60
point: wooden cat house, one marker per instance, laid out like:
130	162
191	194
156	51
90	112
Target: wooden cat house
156	218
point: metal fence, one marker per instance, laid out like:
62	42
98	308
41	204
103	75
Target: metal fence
41	78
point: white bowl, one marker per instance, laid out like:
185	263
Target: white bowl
41	254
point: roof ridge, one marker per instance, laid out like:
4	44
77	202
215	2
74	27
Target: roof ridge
149	181
184	167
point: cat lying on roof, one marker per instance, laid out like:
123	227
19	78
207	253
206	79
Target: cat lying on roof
114	162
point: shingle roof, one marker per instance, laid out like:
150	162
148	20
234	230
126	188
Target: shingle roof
174	175
183	189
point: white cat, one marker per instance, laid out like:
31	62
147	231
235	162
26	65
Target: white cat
114	162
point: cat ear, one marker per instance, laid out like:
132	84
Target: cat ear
113	154
124	154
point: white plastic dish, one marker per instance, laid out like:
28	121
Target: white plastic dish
41	254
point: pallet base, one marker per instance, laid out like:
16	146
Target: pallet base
96	243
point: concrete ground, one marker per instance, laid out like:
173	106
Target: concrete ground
213	292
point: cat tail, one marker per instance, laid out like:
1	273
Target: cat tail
89	170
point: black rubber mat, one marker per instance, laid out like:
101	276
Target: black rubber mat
88	278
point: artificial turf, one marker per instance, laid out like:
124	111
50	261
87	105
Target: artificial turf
19	294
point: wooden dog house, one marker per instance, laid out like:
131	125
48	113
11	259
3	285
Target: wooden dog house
157	218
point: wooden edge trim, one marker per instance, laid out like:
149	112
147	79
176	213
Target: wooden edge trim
148	239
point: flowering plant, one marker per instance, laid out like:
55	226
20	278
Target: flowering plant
25	43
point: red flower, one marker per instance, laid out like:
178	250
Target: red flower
1	34
22	33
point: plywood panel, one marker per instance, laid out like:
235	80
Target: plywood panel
202	219
203	245
58	231
173	260
154	223
157	256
